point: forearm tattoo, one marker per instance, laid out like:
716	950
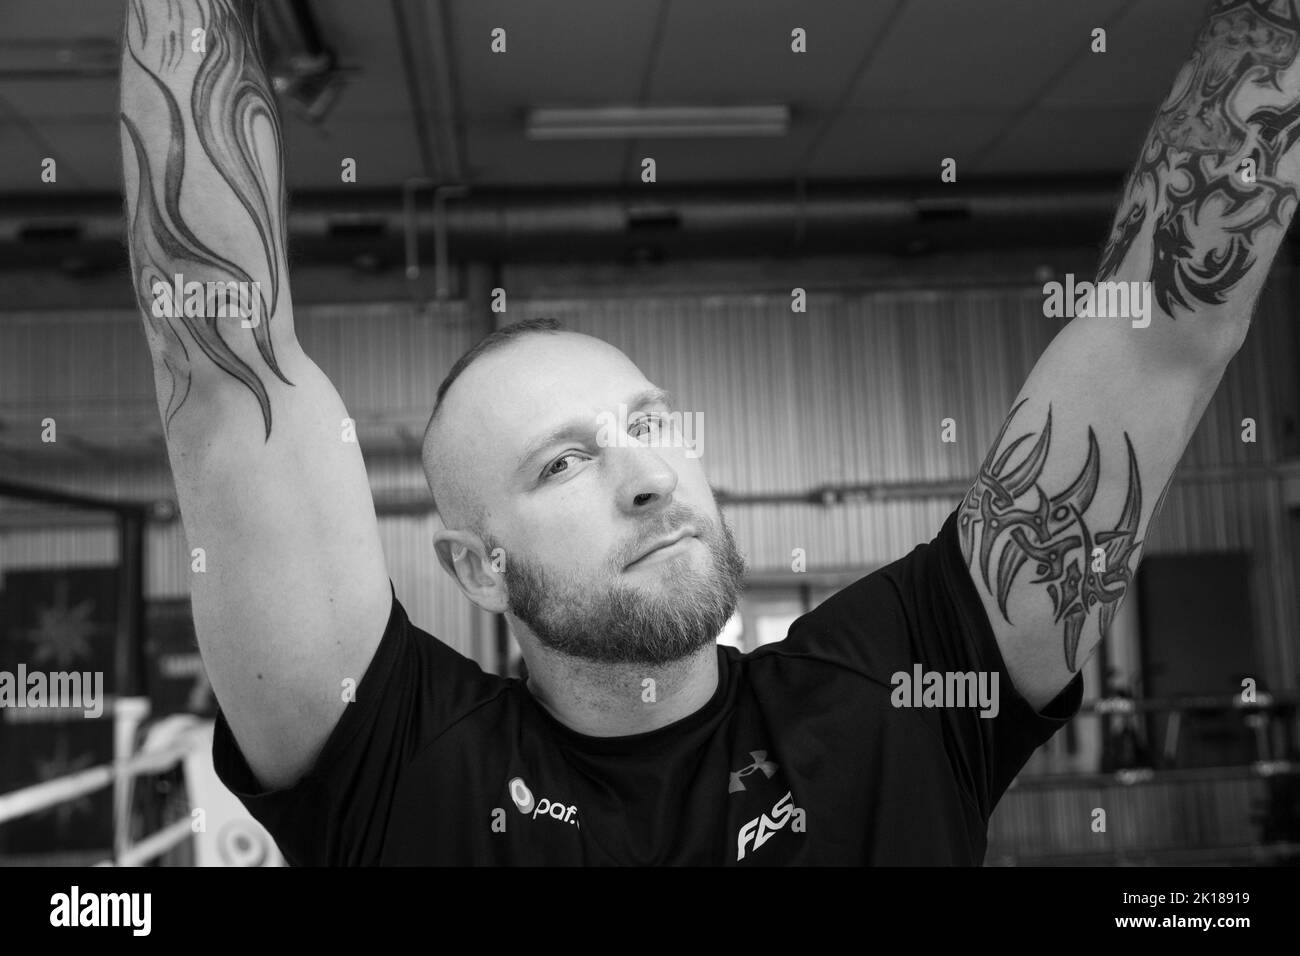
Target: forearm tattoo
231	98
1209	173
1008	520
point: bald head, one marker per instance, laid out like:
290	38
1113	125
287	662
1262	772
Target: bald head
439	473
520	391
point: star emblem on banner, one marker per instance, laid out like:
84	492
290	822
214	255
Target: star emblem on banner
61	765
62	632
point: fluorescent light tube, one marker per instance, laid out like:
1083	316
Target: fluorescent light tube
637	122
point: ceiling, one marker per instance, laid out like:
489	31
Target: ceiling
887	89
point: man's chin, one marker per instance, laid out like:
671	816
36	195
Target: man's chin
640	630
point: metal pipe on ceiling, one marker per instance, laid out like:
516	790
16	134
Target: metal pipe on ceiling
416	501
545	224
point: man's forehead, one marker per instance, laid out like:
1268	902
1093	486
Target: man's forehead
508	398
542	374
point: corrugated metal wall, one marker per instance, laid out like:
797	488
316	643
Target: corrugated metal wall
91	372
852	391
1147	821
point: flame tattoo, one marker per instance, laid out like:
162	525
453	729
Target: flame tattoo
231	97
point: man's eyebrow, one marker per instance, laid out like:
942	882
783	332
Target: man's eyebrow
582	427
575	428
650	396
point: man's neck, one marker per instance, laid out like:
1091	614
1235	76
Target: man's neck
617	700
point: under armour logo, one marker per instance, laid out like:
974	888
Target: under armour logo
760	763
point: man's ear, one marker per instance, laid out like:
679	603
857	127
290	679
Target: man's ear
463	556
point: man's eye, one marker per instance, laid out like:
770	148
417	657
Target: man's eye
645	426
554	467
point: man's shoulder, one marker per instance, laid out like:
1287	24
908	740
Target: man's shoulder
863	628
438	678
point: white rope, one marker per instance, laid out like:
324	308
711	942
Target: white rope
19	803
31	799
156	844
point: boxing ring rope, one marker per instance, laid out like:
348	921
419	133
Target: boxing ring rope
41	796
120	774
154	845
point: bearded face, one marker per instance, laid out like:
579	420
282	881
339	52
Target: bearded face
663	615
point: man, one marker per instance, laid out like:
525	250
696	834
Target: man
359	739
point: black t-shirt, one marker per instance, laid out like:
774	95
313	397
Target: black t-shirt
798	758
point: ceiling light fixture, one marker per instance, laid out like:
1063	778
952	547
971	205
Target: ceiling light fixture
649	122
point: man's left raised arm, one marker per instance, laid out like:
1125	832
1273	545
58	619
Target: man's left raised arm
1052	528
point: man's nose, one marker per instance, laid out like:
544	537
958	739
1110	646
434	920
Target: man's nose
646	480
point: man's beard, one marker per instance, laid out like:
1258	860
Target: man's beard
615	622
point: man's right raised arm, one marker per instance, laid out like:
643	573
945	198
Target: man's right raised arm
295	596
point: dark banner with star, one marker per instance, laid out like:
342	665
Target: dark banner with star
52	623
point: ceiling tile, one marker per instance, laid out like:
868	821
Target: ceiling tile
733	51
364	38
1144	50
990	53
501	155
62	99
384	148
572	52
68	19
86	152
1060	142
903	144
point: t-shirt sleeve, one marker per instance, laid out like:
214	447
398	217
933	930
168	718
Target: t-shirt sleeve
924	610
337	814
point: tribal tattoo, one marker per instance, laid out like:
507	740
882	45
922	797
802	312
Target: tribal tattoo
231	100
1208	174
1008	520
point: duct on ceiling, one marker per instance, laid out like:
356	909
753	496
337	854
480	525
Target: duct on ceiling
537	225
